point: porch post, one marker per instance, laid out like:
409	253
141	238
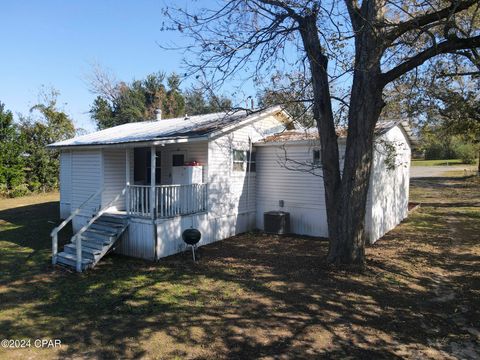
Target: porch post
127	180
153	158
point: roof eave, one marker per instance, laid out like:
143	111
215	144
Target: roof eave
132	144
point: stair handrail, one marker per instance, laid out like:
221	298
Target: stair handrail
54	232
78	236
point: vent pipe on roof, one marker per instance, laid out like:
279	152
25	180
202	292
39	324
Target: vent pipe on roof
158	114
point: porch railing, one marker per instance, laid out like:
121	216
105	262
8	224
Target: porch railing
139	198
54	233
170	200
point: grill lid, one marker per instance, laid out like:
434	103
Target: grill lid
191	236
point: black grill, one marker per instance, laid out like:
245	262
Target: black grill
191	237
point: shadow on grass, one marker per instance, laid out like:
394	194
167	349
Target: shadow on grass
251	296
25	239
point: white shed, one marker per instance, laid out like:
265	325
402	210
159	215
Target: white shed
289	179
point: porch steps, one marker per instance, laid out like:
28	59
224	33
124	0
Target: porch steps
97	241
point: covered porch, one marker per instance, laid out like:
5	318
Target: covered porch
160	181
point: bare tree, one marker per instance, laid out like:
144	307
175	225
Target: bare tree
366	44
102	82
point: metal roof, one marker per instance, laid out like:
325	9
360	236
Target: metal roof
167	129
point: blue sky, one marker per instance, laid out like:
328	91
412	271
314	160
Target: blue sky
54	43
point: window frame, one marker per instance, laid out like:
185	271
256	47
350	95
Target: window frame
238	162
248	164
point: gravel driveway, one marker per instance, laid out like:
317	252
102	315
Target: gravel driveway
435	171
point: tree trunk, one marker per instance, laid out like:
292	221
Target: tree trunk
346	196
349	237
323	115
478	169
347	245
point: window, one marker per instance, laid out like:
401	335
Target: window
178	159
317	158
244	160
239	159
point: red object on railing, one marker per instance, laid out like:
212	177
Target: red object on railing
192	163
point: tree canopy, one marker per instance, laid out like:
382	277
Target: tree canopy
25	162
12	162
120	102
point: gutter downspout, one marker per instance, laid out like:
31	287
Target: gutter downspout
248	172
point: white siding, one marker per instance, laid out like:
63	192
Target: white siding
233	192
86	179
139	240
65	184
389	189
301	191
114	176
169	231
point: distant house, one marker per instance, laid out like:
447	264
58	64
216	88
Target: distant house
134	188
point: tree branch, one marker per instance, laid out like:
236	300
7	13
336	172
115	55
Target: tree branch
353	11
422	20
468	73
444	47
285	7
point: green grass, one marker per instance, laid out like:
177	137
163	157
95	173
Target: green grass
436	162
249	296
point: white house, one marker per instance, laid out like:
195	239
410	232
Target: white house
136	187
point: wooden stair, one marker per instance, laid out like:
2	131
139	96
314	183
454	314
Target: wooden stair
97	241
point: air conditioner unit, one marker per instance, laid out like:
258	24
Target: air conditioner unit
276	222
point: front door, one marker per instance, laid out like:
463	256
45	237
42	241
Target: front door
142	166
